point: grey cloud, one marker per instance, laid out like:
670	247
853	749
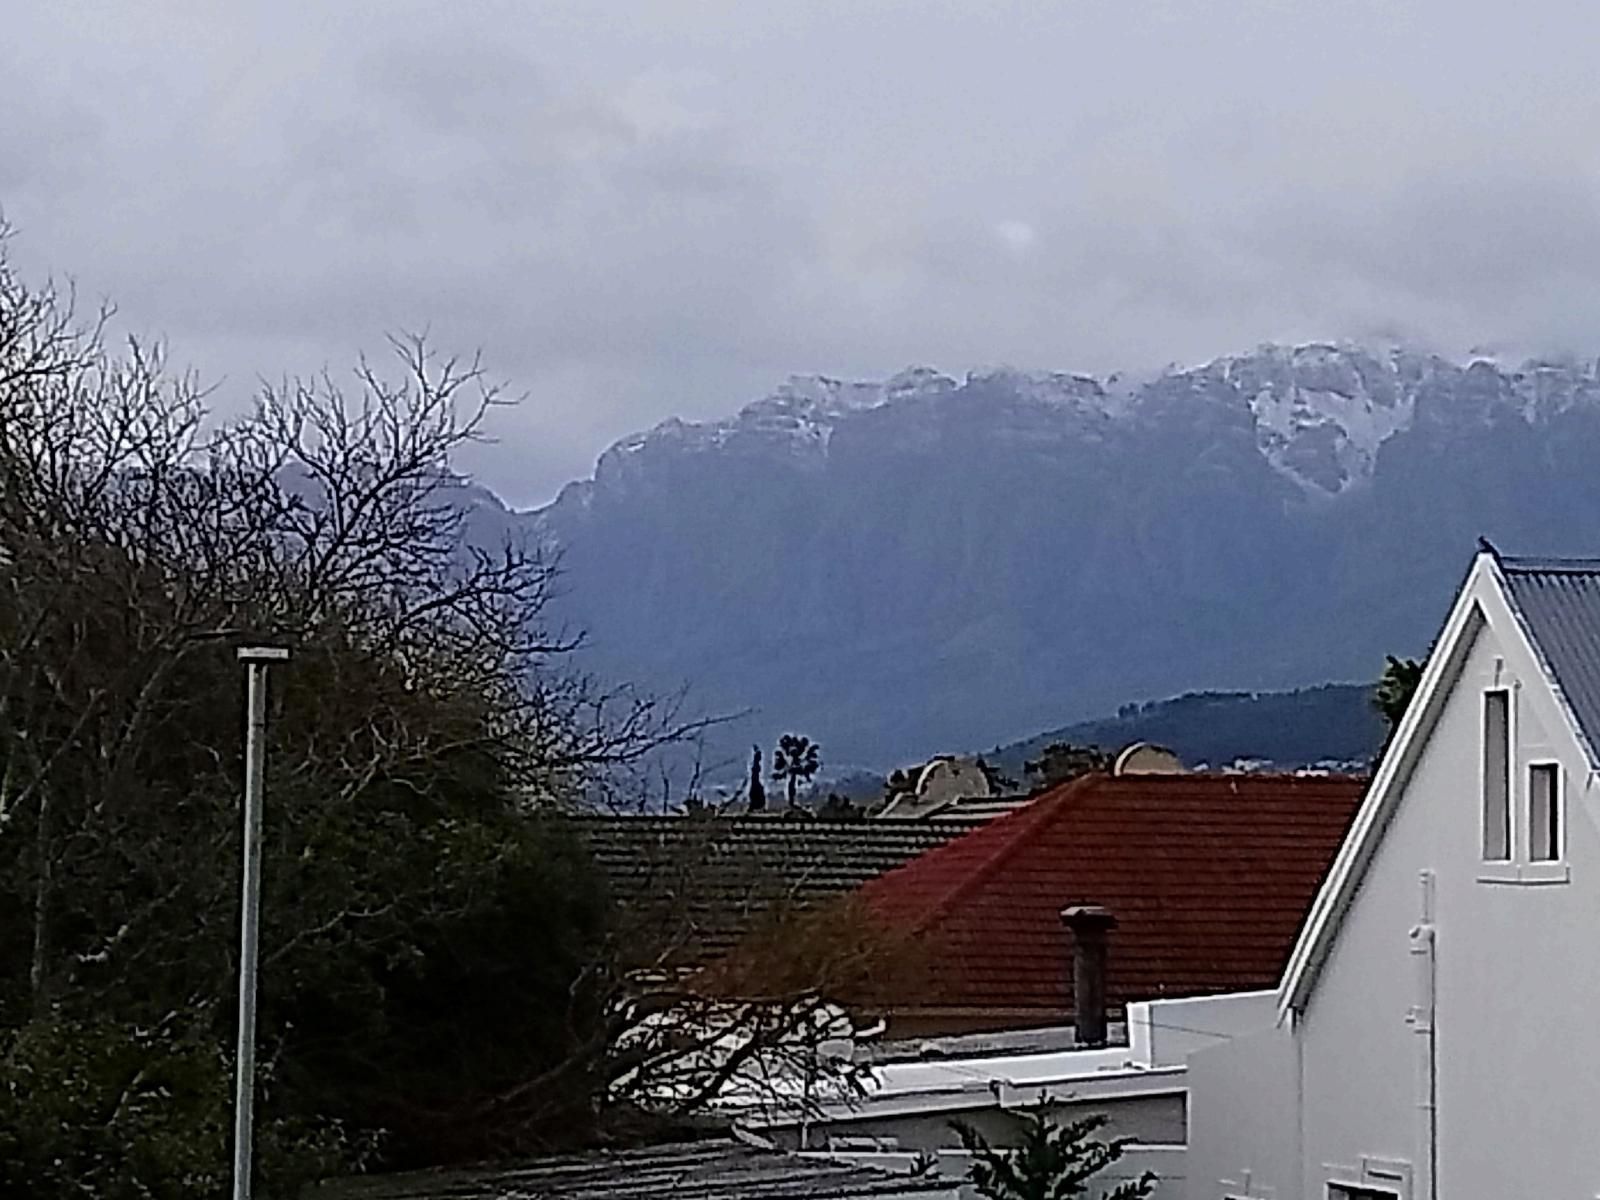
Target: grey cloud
669	213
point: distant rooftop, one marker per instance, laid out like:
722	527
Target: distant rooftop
711	1170
722	874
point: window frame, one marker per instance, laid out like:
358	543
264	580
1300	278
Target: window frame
1387	1177
1245	1188
1509	807
1521	869
1558	809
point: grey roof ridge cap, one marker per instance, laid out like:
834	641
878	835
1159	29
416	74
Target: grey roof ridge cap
1571	566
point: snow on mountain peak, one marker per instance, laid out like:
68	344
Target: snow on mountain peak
1057	388
802	410
822	394
1321	411
914	382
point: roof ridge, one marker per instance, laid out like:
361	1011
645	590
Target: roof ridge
1576	566
1206	777
1028	819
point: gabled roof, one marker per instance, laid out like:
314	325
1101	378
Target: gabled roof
710	1170
1554	605
1557	602
1209	877
719	875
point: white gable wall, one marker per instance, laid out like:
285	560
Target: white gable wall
1517	986
1518	970
1518	964
1243	1117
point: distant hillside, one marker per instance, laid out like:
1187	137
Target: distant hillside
1291	729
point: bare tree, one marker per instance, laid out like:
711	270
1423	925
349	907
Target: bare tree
431	715
431	707
729	982
755	1031
134	539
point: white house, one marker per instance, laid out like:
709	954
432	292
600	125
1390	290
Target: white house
1438	1026
896	1114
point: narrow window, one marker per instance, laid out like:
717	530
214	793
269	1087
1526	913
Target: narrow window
1544	812
1497	776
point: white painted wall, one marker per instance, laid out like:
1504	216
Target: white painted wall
1518	992
1166	1033
1242	1116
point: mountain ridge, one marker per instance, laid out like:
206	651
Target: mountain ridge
1358	393
914	564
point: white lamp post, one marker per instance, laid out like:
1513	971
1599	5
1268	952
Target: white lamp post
256	659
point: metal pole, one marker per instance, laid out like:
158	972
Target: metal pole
256	660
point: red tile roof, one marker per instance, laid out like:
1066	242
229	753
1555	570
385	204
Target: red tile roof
1209	877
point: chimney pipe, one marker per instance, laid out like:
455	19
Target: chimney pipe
1089	924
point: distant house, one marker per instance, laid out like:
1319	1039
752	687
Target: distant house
896	1116
1436	1030
1203	881
702	884
941	785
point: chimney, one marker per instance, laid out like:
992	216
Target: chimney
1089	924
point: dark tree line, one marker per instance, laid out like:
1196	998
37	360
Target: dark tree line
441	974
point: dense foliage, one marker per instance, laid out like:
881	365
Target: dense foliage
1059	762
1392	695
434	966
1051	1161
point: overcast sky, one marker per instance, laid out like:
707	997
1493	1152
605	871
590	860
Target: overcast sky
652	208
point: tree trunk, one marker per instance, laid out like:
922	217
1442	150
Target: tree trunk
43	884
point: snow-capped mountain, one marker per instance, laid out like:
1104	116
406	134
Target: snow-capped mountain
1320	412
928	562
799	418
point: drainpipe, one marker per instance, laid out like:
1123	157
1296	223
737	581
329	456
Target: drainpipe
1423	951
1297	1032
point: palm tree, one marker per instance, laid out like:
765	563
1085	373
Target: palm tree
795	760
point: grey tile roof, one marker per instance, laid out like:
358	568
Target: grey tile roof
716	1170
1558	603
723	874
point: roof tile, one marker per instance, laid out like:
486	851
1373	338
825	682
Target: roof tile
725	874
1209	877
711	1170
